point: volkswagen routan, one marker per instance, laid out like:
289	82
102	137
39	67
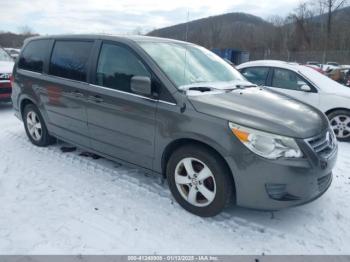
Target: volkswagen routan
176	109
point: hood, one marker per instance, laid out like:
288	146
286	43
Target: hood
264	110
6	67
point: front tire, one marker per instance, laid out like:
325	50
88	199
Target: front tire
340	123
199	180
35	127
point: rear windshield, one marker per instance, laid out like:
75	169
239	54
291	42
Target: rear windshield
187	64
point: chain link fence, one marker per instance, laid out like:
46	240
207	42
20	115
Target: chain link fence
339	56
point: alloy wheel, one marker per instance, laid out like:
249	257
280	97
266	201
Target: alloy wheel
341	126
34	125
195	182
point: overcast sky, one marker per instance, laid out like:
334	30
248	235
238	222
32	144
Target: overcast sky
123	16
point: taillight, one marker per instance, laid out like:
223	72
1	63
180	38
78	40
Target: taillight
12	80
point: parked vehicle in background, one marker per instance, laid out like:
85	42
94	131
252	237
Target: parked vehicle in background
13	52
333	64
176	109
347	78
315	67
314	63
307	85
6	67
329	68
345	67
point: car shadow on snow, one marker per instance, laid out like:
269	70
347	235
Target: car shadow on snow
259	220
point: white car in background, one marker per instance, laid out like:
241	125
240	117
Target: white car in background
307	85
13	52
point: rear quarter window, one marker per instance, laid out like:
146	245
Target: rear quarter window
34	55
69	59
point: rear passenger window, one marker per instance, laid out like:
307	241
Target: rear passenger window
116	66
256	75
34	55
69	59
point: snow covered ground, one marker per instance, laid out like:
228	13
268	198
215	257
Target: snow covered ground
63	203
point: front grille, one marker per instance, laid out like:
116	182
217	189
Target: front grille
324	182
324	144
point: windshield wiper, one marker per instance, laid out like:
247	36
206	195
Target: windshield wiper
200	89
217	86
245	86
207	87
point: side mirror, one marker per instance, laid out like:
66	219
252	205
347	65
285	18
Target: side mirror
141	85
305	88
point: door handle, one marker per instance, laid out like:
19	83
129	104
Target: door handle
96	99
77	94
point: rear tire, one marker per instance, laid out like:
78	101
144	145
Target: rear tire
35	127
340	123
199	180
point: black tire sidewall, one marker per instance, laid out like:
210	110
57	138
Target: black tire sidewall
46	139
224	188
337	113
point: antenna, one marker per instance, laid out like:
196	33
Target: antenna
188	20
186	38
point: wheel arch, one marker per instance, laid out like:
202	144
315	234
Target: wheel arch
174	145
24	101
337	109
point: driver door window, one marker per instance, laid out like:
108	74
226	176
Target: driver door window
287	79
116	66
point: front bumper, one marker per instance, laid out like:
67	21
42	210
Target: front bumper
276	184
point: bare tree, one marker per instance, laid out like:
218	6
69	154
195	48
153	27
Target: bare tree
25	30
215	29
298	37
302	17
330	6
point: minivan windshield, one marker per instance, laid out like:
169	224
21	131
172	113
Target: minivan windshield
187	64
5	57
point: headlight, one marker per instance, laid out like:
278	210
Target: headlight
265	144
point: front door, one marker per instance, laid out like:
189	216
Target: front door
290	83
121	123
